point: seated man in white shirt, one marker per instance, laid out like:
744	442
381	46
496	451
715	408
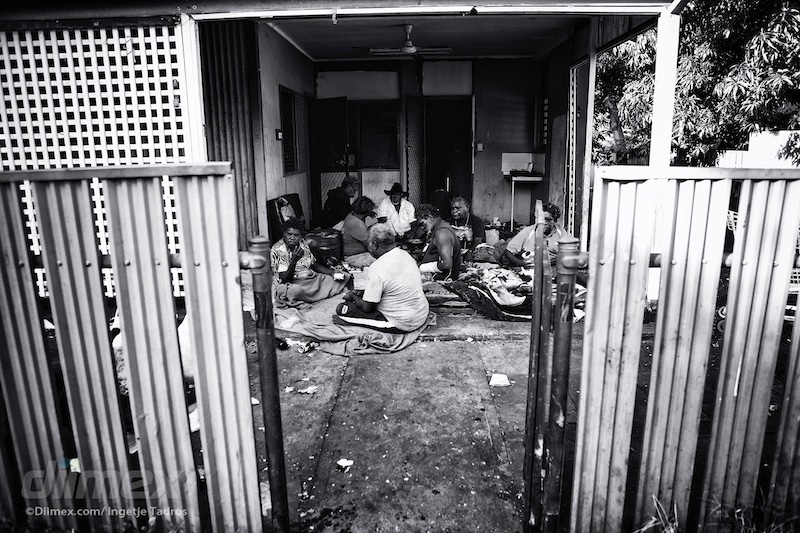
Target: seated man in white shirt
393	300
519	251
396	210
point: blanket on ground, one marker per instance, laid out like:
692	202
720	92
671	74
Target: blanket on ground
346	340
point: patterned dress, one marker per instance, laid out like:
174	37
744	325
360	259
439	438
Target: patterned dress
281	256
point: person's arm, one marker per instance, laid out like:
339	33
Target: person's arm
367	307
321	269
287	275
512	259
445	247
408	212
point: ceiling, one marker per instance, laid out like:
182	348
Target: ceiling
470	36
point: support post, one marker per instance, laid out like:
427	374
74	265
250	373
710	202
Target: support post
568	261
533	451
666	75
587	173
539	381
270	389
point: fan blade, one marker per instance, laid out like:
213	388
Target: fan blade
434	50
386	52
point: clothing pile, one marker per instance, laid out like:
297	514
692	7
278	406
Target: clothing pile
504	294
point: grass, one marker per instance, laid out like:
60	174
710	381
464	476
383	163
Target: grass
736	520
662	522
744	520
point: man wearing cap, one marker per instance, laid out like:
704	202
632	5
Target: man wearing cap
396	211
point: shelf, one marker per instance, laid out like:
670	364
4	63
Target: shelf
523	179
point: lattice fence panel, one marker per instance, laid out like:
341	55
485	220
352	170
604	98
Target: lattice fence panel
415	158
80	97
329	181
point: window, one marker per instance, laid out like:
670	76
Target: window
287	99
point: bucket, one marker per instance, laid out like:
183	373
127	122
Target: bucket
327	242
492	236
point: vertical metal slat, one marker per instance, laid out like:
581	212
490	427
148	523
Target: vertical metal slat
672	423
25	379
786	216
71	260
593	363
211	274
618	388
147	315
730	472
636	254
784	488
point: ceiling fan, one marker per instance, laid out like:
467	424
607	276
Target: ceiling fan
408	47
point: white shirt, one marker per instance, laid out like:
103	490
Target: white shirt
400	221
395	286
524	240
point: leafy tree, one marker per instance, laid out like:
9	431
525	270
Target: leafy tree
738	72
624	101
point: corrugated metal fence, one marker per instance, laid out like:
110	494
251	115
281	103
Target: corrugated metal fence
695	202
233	117
44	429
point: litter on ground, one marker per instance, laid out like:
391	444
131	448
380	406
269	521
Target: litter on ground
344	463
499	380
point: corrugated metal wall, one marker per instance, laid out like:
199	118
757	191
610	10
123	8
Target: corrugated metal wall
721	476
621	232
152	361
763	257
230	88
690	274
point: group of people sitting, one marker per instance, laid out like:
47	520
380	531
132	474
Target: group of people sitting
372	236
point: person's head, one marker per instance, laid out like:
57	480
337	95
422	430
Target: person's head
350	185
459	207
381	239
396	193
427	216
293	230
362	206
551	215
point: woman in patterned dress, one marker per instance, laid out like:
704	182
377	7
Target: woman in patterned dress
296	276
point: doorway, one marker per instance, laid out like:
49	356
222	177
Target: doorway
448	146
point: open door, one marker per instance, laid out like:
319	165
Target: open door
448	146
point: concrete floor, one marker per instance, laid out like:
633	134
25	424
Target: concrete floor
433	446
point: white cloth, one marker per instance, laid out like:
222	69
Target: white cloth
400	221
395	286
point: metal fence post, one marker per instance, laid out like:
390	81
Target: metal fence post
270	389
531	511
568	261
